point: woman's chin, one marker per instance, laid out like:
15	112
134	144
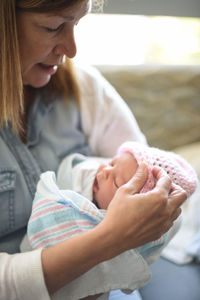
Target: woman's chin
38	83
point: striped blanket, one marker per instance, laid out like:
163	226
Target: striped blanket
58	215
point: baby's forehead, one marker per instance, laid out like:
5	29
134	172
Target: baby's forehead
123	155
123	159
125	165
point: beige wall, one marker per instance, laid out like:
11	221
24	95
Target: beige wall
165	101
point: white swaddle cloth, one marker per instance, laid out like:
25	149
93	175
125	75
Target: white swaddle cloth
77	172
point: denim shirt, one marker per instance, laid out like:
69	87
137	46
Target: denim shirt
54	131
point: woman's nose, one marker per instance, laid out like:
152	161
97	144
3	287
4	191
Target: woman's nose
66	45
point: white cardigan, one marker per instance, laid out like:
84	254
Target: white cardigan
106	119
107	122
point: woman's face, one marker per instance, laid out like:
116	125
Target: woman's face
44	40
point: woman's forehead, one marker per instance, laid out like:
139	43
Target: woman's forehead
70	13
51	7
81	4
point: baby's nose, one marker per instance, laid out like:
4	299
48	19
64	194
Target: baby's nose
107	171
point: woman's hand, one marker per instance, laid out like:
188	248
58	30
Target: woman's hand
134	219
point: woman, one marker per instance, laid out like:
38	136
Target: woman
38	129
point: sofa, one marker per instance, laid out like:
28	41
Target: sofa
166	103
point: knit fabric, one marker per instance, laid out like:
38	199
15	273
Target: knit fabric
178	169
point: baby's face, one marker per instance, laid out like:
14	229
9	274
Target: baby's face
111	175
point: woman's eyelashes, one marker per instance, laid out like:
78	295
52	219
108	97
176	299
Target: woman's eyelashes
58	28
49	29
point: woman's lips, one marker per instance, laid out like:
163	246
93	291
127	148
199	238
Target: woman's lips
49	69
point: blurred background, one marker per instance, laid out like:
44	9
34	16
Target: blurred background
150	52
119	39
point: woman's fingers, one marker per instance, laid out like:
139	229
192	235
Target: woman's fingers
176	198
176	214
136	183
158	197
163	181
177	195
168	207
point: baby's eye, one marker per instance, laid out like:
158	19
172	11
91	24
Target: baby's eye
115	183
111	163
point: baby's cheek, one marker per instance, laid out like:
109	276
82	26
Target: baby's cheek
104	202
105	199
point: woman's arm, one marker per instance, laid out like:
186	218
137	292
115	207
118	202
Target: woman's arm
132	220
21	277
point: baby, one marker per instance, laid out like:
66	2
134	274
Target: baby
65	208
98	179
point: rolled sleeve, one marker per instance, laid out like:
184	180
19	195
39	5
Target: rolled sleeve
21	277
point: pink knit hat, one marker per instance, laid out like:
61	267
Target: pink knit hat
176	167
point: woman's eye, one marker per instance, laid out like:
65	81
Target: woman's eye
54	29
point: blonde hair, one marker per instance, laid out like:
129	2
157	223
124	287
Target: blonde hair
11	85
